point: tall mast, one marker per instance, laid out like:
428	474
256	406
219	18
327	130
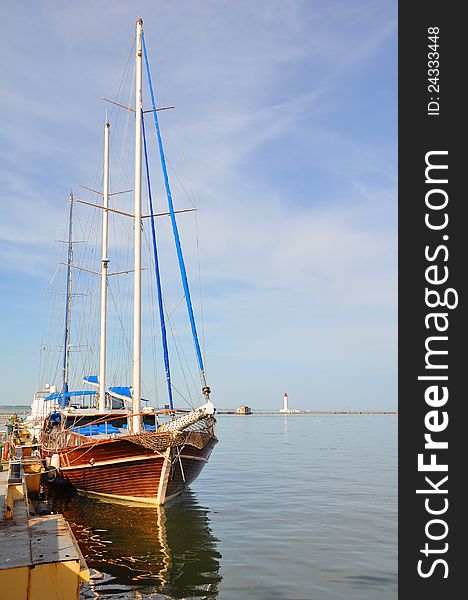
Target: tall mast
66	342
104	264
136	398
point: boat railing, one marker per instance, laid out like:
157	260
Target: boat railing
71	437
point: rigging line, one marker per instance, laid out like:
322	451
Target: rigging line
87	331
85	316
175	336
124	81
120	255
183	146
119	259
50	366
157	272
177	340
123	173
183	397
155	389
191	198
202	315
51	333
174	227
153	324
124	75
40	367
121	323
168	320
68	303
180	182
187	165
53	277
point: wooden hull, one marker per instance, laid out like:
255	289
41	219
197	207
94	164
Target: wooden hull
122	470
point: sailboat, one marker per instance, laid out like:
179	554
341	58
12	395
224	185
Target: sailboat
101	442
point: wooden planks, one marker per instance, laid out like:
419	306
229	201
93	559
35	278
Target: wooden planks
52	540
39	557
15	547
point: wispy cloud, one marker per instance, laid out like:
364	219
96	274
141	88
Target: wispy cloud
284	135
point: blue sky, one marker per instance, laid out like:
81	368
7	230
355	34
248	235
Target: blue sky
285	130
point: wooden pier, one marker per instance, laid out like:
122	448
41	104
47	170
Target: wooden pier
39	556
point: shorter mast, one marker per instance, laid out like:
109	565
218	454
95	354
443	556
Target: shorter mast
66	342
104	265
136	393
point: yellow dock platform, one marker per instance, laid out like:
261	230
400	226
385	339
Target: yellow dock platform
39	556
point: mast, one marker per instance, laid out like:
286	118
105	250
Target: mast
66	343
136	396
104	264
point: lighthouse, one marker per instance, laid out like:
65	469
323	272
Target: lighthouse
285	403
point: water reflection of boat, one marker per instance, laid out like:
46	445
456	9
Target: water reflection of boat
162	550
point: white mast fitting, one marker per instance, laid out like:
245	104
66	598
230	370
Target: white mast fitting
136	395
104	264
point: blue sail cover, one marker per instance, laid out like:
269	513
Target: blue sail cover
60	396
123	392
118	391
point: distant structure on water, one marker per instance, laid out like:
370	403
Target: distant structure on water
244	410
286	408
285	403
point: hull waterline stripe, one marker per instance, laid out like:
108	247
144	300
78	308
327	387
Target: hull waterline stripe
132	499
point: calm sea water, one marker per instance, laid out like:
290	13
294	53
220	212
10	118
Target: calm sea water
296	507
